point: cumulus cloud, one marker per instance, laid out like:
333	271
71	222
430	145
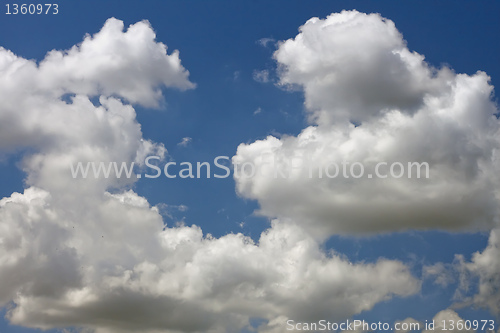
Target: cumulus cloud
131	64
48	106
92	253
485	267
116	267
370	99
356	66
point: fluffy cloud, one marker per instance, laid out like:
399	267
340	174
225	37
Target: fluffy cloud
131	64
48	106
90	253
117	268
370	100
484	266
356	66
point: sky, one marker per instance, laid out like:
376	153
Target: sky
188	81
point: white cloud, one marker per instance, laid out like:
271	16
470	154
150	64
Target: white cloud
34	112
111	264
74	254
107	63
257	111
484	266
100	65
357	67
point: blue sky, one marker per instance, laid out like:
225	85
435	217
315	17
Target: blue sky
220	44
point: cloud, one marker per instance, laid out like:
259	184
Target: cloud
357	66
370	99
48	106
92	253
106	64
185	141
116	267
257	111
443	274
485	267
261	76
